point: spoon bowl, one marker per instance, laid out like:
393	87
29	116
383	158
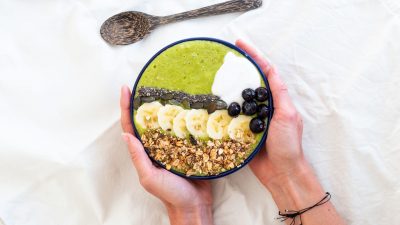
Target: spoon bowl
127	27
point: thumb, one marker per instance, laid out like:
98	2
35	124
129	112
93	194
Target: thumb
279	91
139	157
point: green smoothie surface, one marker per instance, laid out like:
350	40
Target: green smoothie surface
189	66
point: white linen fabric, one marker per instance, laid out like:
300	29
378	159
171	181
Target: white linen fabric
62	160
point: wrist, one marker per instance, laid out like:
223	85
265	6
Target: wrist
196	215
297	189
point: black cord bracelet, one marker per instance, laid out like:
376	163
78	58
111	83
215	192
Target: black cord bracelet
291	214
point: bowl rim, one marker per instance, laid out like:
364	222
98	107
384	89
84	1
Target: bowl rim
270	100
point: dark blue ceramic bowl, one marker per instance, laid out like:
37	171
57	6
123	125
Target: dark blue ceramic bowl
260	144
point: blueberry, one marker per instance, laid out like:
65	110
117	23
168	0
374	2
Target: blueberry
257	125
262	111
261	94
234	109
248	94
249	108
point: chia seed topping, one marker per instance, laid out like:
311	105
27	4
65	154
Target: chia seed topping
179	96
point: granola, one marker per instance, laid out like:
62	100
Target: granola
193	156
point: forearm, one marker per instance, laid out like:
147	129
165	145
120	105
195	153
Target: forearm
299	190
200	215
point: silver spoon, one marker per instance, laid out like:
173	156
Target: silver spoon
129	27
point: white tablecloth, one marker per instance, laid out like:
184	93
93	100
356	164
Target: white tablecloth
62	160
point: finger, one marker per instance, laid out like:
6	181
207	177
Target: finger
278	88
125	111
279	91
261	61
139	157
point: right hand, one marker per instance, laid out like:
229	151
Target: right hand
285	154
283	169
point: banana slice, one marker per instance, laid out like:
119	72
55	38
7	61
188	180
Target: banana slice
217	124
146	115
179	124
239	129
166	115
196	122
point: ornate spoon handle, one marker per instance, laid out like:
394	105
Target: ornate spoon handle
217	9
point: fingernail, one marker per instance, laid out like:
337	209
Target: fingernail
125	137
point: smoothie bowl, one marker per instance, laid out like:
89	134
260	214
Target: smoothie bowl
201	107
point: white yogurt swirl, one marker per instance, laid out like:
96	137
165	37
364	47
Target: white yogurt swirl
235	75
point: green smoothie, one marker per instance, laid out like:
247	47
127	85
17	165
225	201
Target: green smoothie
189	67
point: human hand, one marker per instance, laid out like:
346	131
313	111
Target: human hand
187	201
285	154
281	166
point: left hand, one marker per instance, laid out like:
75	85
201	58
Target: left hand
187	201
